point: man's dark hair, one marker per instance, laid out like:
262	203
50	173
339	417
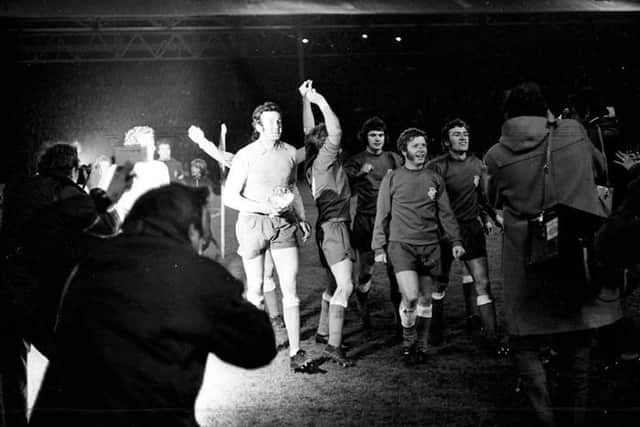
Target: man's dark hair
59	161
168	210
526	99
372	123
455	123
407	135
255	117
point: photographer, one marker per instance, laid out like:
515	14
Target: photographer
46	221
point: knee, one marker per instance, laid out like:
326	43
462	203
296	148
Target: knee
364	284
268	284
482	286
410	302
342	294
407	316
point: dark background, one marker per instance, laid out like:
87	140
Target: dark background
437	72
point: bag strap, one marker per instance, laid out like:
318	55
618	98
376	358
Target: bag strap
604	154
546	168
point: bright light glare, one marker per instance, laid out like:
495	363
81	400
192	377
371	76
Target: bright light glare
398	39
365	36
305	40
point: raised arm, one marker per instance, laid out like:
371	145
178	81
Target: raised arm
197	135
334	131
308	121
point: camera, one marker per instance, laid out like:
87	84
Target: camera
84	171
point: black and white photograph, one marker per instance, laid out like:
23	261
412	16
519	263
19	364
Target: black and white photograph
320	213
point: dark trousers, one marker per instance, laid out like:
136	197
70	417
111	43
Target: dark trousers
13	379
572	363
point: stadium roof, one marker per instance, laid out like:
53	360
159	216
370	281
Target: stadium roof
125	30
128	8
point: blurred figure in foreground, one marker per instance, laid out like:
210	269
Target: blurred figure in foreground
140	317
48	223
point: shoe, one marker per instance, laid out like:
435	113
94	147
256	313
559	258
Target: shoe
277	322
301	363
422	356
337	356
324	339
408	355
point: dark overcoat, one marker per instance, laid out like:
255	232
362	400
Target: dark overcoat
515	168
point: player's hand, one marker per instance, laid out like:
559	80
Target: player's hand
314	97
381	257
271	209
305	228
304	87
488	227
458	251
196	134
626	160
366	168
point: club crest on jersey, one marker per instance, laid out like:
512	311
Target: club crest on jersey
476	180
432	193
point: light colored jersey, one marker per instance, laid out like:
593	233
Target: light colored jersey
264	169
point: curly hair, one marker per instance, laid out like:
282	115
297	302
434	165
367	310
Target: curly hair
407	135
200	164
132	136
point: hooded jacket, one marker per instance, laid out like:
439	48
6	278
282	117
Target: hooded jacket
515	184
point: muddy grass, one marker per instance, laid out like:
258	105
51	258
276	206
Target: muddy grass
459	386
